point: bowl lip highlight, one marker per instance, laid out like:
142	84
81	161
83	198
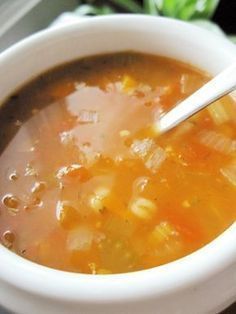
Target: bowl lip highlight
178	275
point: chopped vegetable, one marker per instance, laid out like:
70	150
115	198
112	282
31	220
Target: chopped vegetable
184	128
155	159
80	239
217	141
189	83
88	116
67	215
163	232
218	113
141	148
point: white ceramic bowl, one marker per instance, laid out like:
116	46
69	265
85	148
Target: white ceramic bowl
203	282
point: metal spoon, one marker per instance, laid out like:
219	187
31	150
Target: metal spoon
222	84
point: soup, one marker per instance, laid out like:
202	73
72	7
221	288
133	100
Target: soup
86	187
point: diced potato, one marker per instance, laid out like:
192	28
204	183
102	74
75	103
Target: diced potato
80	239
163	232
143	208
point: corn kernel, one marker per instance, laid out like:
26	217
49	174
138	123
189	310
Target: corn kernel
124	133
96	204
128	83
96	201
186	204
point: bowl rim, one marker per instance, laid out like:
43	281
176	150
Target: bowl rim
177	275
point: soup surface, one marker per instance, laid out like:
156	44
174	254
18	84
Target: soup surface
86	187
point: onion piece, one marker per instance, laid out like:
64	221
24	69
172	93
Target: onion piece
88	116
141	148
155	159
67	215
184	128
229	172
81	238
163	232
218	113
217	141
189	83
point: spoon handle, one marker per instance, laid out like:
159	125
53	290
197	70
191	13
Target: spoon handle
222	84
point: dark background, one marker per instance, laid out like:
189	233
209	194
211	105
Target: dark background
225	16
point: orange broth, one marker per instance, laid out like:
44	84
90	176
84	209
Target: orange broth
84	185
